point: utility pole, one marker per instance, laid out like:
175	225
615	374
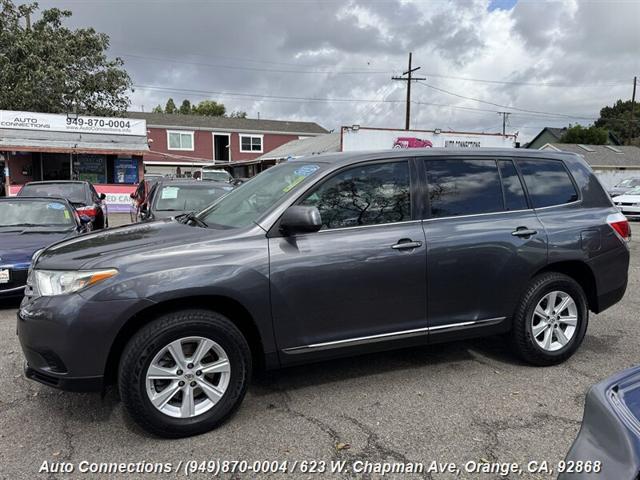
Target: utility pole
632	130
409	78
505	115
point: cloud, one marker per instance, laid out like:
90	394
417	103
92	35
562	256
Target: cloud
588	48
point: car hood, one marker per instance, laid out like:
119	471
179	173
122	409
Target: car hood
627	198
113	247
618	190
18	244
164	214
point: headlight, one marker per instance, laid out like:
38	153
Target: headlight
57	282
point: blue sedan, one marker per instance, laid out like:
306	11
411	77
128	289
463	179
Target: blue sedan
28	224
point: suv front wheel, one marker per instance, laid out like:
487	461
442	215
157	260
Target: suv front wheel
184	373
551	319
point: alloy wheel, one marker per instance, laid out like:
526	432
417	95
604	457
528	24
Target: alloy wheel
188	377
554	320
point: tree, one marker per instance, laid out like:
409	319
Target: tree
618	120
185	108
587	135
209	108
46	67
170	107
238	114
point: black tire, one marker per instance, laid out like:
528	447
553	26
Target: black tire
149	340
522	336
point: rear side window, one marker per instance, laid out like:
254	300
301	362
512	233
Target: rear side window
514	198
463	187
548	182
365	195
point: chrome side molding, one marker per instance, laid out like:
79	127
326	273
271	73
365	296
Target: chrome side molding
416	332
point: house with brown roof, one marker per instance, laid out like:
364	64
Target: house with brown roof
190	142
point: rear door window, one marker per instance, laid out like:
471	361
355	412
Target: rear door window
514	197
548	182
463	187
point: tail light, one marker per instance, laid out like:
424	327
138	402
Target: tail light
620	225
87	211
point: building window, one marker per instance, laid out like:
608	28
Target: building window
251	143
180	140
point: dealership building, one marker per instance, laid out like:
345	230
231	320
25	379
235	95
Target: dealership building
107	152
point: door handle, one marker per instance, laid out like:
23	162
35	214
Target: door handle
406	244
523	232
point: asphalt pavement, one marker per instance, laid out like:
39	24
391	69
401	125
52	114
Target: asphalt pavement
461	402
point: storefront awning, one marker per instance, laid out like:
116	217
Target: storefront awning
63	142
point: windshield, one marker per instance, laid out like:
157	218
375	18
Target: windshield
216	175
629	182
37	213
247	203
188	198
74	192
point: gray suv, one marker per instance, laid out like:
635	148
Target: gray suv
325	257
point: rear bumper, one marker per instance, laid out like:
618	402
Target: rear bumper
611	272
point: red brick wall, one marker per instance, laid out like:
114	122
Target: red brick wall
203	143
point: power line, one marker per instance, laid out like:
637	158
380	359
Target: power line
530	84
538	112
295	99
256	69
355	72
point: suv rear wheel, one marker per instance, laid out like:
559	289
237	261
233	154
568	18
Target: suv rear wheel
184	373
551	319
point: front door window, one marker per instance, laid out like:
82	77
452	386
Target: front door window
365	195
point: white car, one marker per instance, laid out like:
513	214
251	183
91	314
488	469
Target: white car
629	203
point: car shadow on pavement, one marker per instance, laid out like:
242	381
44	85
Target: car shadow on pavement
493	351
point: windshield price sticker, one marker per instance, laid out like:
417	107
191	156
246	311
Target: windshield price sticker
170	193
480	468
306	170
55	206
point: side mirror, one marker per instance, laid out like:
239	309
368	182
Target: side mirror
103	196
300	219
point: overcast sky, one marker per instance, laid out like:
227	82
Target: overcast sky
274	57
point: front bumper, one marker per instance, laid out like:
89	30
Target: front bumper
15	286
67	339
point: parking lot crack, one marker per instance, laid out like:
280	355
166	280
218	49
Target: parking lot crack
375	449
